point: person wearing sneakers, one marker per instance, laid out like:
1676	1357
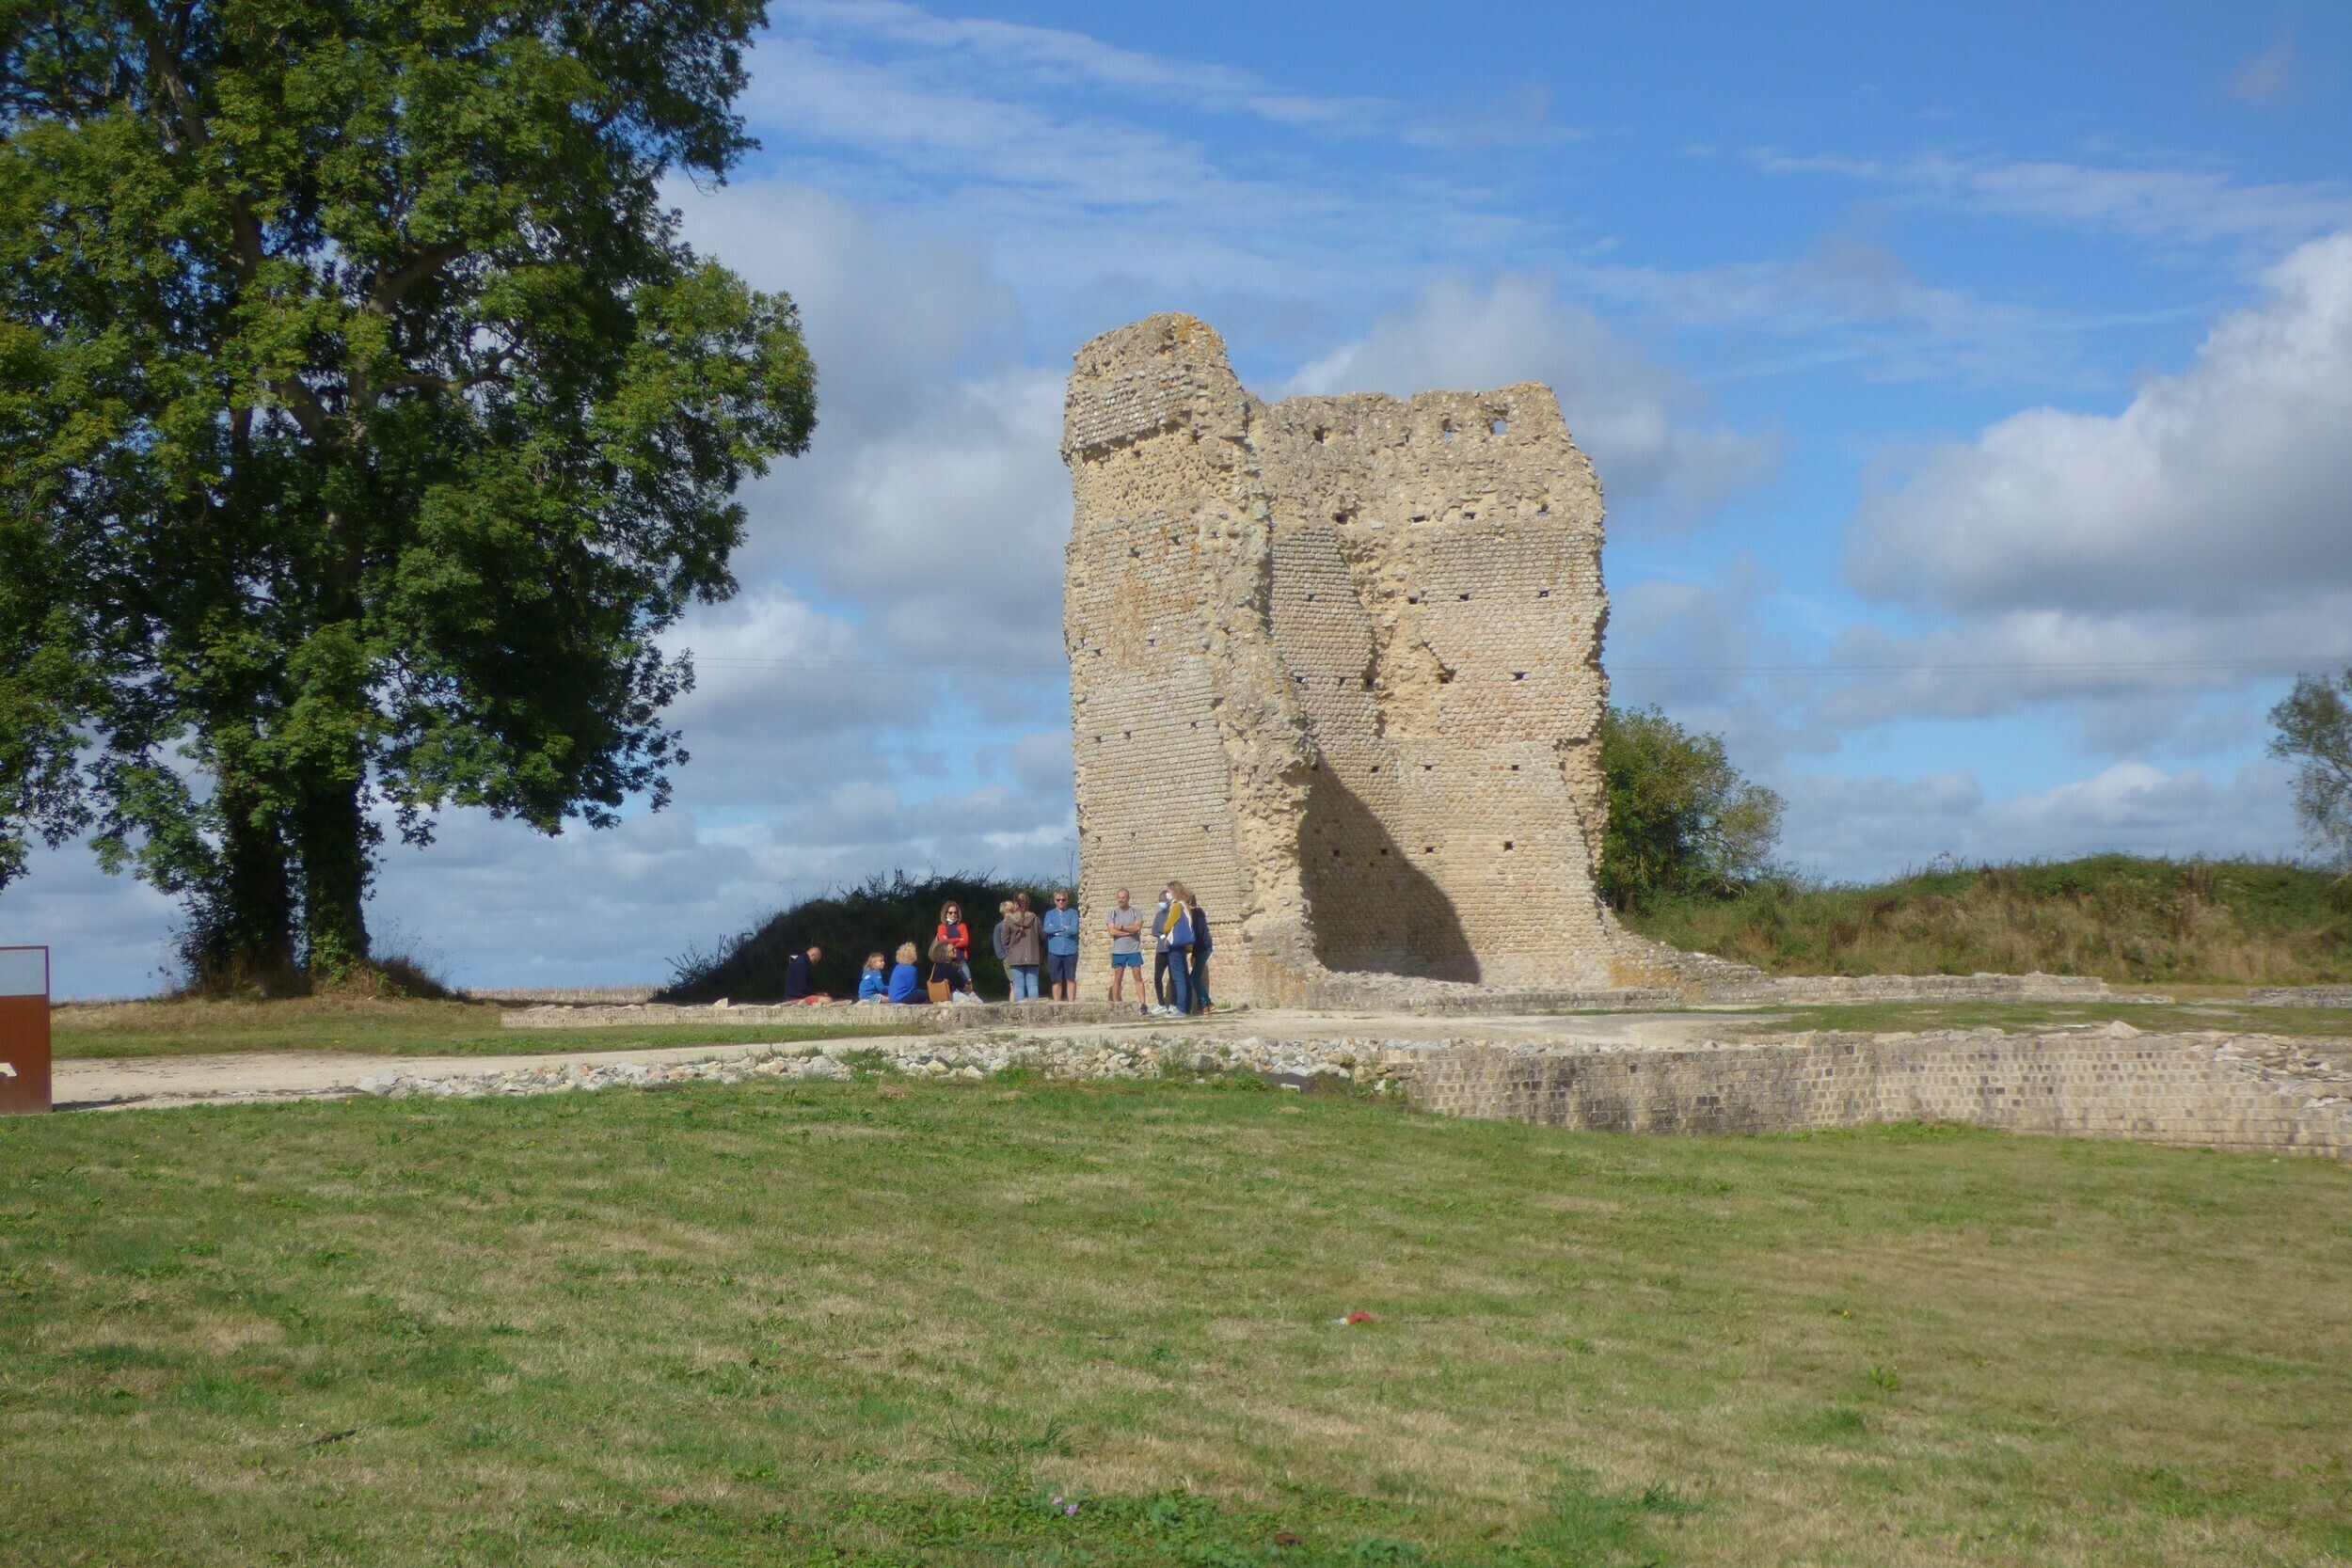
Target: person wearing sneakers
1060	925
1125	922
1176	926
1159	955
1199	954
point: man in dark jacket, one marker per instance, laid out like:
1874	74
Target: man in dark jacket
800	977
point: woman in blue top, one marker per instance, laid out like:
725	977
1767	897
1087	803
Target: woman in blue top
1061	946
905	985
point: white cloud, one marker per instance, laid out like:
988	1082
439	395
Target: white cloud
107	936
933	500
2222	489
1647	429
1863	829
1847	303
1055	59
2163	204
492	903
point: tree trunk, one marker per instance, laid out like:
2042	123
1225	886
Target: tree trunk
335	845
245	921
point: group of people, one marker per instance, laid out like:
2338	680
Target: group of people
1179	933
1033	945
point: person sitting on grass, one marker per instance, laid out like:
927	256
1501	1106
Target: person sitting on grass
945	982
905	984
873	981
799	976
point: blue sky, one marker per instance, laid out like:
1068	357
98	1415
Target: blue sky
1972	388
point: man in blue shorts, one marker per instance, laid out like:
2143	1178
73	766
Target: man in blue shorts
1061	946
1126	928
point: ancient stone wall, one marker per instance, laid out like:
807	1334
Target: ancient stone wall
1335	664
2248	1093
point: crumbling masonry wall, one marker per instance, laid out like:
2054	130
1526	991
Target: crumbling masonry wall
1335	664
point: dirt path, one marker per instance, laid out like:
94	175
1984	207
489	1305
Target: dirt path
163	1081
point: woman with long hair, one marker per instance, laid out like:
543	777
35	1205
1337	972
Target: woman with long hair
1176	925
958	936
1199	954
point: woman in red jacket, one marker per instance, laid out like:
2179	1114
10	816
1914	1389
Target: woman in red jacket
957	935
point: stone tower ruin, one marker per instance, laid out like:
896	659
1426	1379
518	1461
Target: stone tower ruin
1335	664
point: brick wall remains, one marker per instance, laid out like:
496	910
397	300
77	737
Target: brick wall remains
1335	664
2247	1093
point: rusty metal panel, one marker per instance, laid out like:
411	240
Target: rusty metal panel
23	1030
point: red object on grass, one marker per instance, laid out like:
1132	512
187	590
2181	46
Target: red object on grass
1360	1317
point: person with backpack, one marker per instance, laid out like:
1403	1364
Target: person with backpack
1025	948
1176	927
1159	954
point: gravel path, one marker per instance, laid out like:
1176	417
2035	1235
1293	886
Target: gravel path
160	1081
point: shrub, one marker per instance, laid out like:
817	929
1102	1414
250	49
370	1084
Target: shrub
875	916
1681	819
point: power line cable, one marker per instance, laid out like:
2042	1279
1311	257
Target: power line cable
2050	666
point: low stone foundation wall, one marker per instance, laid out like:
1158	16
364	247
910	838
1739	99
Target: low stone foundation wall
2259	1094
1804	989
2300	996
1728	985
2256	1094
615	996
904	1021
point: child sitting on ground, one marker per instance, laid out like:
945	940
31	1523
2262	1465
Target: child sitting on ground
873	982
906	986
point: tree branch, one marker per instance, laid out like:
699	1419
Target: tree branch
422	264
162	58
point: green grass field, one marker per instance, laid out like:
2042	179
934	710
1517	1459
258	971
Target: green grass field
884	1323
387	1026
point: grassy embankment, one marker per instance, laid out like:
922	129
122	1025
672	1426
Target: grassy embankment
886	1323
391	1026
2126	919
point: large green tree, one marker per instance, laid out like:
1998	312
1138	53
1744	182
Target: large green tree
1681	817
363	419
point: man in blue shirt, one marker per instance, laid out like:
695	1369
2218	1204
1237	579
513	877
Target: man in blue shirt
1061	946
